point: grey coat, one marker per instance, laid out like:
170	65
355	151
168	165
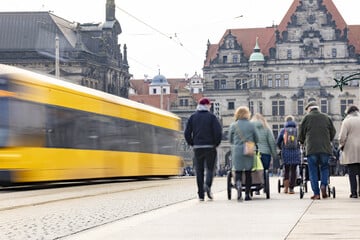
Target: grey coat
240	161
349	139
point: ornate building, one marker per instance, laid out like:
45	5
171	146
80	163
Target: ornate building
277	70
86	54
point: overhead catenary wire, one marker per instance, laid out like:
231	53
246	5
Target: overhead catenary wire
173	37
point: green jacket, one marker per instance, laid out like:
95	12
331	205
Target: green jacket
240	131
316	132
266	142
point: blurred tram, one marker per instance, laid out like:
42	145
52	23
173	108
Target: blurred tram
52	130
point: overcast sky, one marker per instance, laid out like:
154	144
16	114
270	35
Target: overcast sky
172	35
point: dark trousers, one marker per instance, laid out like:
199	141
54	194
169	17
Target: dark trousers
290	174
204	159
354	172
248	179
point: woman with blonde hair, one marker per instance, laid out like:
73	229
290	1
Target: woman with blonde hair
241	131
266	145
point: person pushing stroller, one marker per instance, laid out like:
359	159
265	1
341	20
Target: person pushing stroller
287	141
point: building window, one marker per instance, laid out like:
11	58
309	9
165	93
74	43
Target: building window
184	102
216	84
276	129
235	58
344	103
251	107
217	109
300	106
277	80
278	108
223	84
224	59
333	52
261	108
154	90
324	106
238	84
244	84
286	80
289	54
231	105
260	80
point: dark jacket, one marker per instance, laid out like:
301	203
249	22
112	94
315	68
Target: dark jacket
317	132
203	130
288	155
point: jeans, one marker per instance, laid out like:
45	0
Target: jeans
265	159
204	159
318	163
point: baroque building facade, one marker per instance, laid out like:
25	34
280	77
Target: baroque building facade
85	54
277	70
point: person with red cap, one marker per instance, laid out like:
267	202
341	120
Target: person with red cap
203	133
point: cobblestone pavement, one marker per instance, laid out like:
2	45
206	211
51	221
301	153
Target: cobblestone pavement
57	213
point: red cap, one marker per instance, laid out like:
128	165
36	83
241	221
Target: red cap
204	101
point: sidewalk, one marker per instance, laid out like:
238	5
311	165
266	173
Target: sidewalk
282	216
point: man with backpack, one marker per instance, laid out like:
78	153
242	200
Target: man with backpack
287	141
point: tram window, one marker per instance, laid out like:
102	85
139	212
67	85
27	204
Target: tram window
27	123
60	127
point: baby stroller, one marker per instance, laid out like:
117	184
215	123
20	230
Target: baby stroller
259	181
304	172
301	179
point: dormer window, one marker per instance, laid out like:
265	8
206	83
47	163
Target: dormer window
224	59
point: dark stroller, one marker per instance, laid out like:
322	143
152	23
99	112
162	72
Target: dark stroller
259	182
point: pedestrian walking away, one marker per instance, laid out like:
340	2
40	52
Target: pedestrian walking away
287	142
203	132
350	147
240	132
316	132
266	144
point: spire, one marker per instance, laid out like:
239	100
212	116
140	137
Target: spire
110	10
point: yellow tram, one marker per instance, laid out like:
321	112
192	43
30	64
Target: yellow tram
52	130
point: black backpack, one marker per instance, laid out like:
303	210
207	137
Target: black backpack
290	138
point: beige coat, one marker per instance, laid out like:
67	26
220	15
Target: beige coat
349	137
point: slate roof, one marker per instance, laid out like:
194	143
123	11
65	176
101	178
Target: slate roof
34	31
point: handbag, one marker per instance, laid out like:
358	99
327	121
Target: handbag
249	146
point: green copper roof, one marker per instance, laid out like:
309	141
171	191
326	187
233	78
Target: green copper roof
256	56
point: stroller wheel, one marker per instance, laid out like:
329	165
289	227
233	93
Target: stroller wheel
301	193
229	184
279	186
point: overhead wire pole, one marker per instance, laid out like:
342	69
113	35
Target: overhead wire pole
57	56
